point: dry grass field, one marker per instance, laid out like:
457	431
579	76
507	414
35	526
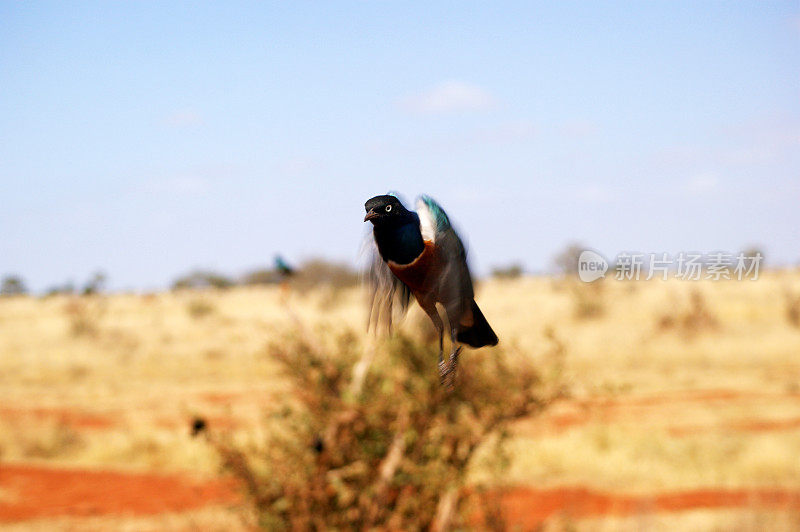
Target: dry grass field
682	404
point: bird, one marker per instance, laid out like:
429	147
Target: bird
284	272
283	269
420	254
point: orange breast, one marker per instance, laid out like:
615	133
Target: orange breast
420	274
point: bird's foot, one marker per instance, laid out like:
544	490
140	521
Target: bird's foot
447	370
444	374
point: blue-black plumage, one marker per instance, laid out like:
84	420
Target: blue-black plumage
282	267
420	254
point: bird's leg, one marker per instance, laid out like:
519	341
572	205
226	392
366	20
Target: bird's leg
441	346
433	314
444	367
454	357
447	371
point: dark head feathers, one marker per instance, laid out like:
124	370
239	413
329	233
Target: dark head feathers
385	209
382	201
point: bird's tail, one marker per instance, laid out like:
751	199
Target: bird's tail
478	334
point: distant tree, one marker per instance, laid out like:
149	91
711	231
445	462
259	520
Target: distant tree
95	284
316	272
219	281
66	288
512	271
202	279
12	285
261	276
566	261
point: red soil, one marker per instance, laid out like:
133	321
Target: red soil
95	421
214	423
528	508
566	415
75	419
688	396
222	397
28	492
745	425
573	413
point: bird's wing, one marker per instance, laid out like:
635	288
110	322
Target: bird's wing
385	289
455	282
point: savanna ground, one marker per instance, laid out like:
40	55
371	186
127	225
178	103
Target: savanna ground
681	407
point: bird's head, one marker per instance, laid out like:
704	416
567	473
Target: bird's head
384	210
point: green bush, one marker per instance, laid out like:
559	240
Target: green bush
202	279
566	261
321	272
262	276
512	271
95	285
392	454
12	285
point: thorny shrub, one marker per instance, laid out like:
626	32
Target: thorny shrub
392	455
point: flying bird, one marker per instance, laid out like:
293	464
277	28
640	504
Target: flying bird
420	254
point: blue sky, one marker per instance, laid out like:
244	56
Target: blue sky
145	140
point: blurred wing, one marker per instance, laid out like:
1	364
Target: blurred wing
455	283
384	289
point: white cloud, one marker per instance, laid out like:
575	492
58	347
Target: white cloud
184	118
521	129
496	134
701	183
449	96
502	133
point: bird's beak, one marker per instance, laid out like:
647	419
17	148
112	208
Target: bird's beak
370	215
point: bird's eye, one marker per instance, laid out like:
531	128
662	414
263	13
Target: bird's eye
388	208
